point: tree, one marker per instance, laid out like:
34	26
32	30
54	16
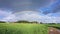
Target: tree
2	22
22	21
41	23
34	22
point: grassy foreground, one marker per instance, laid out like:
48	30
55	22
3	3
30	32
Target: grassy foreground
19	28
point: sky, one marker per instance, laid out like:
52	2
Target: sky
46	11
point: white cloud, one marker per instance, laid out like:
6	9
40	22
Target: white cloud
30	16
6	15
36	16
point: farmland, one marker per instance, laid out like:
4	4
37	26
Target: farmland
54	25
20	28
26	28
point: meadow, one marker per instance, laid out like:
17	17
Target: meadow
20	28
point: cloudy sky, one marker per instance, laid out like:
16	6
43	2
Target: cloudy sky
46	11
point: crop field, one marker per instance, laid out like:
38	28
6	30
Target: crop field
57	26
54	25
20	28
25	28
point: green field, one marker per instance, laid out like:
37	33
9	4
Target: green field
20	28
54	25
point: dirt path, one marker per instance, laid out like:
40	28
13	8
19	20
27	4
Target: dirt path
53	31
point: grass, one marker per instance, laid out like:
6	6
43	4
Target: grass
54	25
20	28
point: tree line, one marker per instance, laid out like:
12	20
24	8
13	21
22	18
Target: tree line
24	21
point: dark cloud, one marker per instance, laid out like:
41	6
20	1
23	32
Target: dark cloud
54	8
22	5
46	12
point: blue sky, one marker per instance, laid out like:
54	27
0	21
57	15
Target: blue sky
46	11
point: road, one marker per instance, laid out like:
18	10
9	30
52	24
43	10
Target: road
53	31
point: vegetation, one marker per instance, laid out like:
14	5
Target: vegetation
54	25
26	27
2	22
23	21
20	28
